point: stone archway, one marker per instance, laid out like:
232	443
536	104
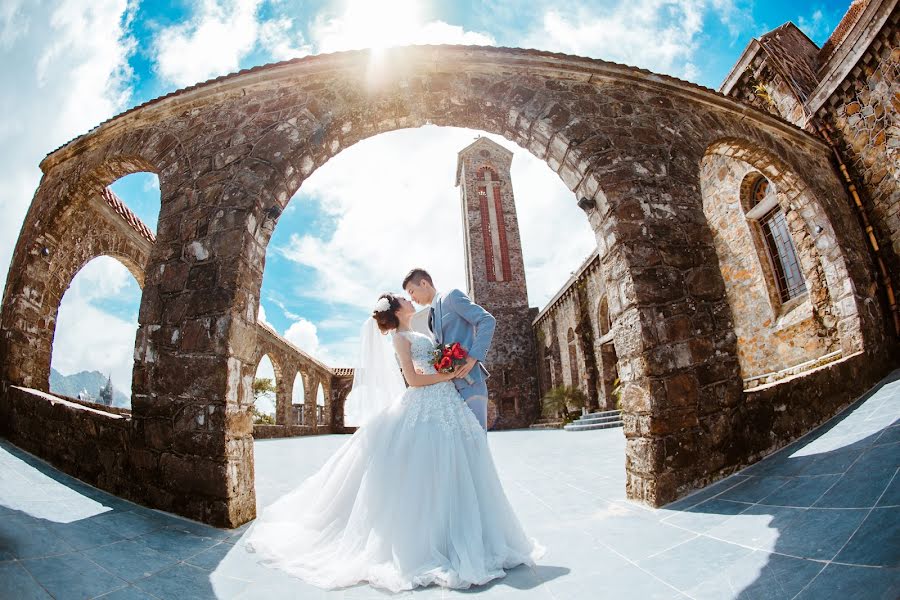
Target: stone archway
231	153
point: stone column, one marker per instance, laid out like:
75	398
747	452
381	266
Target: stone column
673	333
309	402
195	346
285	393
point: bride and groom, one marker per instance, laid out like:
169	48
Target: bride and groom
413	497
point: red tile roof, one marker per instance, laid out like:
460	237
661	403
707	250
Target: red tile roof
117	205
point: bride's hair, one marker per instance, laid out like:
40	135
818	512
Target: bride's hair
387	319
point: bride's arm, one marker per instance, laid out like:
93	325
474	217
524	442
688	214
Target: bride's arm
414	379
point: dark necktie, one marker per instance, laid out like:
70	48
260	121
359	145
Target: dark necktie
431	319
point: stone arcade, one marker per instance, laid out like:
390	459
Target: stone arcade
648	157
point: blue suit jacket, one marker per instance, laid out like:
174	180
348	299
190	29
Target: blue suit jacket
458	319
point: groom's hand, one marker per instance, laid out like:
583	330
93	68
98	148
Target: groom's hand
464	370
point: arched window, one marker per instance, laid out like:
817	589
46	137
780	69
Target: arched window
487	174
603	317
573	356
298	397
763	208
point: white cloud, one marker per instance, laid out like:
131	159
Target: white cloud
276	38
660	35
390	219
90	339
304	335
261	315
211	43
60	77
367	24
816	26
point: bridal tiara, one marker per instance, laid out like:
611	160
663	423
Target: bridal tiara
382	305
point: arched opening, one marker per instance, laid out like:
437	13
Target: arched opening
298	398
95	290
609	361
93	342
778	261
572	352
774	242
264	392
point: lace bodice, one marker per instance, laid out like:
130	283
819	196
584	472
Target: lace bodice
421	346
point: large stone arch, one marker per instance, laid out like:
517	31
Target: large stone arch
230	154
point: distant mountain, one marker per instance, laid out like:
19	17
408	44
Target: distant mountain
91	381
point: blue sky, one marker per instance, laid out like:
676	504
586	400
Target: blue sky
69	65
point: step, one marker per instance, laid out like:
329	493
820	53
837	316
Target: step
576	427
602	413
597	420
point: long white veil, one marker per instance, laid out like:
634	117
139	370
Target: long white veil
377	380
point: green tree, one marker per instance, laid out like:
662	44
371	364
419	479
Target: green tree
261	386
561	400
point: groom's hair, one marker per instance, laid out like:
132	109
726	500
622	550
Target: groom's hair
416	276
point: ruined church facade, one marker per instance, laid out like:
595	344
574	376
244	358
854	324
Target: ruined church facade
719	224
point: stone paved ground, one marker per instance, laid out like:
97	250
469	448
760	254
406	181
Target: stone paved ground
819	520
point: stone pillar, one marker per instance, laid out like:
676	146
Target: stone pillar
309	402
284	395
194	352
672	331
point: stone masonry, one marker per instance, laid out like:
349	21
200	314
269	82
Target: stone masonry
231	152
848	91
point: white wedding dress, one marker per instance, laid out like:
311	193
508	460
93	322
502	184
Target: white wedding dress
412	498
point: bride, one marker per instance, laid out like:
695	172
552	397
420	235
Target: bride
412	498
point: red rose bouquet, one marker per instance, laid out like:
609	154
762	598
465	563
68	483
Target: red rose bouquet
446	358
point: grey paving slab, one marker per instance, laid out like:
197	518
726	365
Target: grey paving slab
853	583
72	576
697	560
876	542
131	560
16	582
801	491
802	523
759	576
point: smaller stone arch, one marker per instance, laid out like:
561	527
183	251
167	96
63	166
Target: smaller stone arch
777	334
299	393
278	370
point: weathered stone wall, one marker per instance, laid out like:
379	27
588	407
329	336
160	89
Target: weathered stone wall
864	113
577	307
231	153
771	335
90	444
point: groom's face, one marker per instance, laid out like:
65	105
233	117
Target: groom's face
420	293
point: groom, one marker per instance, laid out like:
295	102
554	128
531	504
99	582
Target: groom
455	318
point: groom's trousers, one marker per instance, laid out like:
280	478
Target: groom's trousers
476	397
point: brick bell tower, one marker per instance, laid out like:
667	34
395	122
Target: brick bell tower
495	274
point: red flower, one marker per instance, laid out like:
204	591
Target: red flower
457	351
445	363
446	352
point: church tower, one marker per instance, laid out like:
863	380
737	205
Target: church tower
495	274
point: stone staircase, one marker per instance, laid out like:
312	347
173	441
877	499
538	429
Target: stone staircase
606	419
